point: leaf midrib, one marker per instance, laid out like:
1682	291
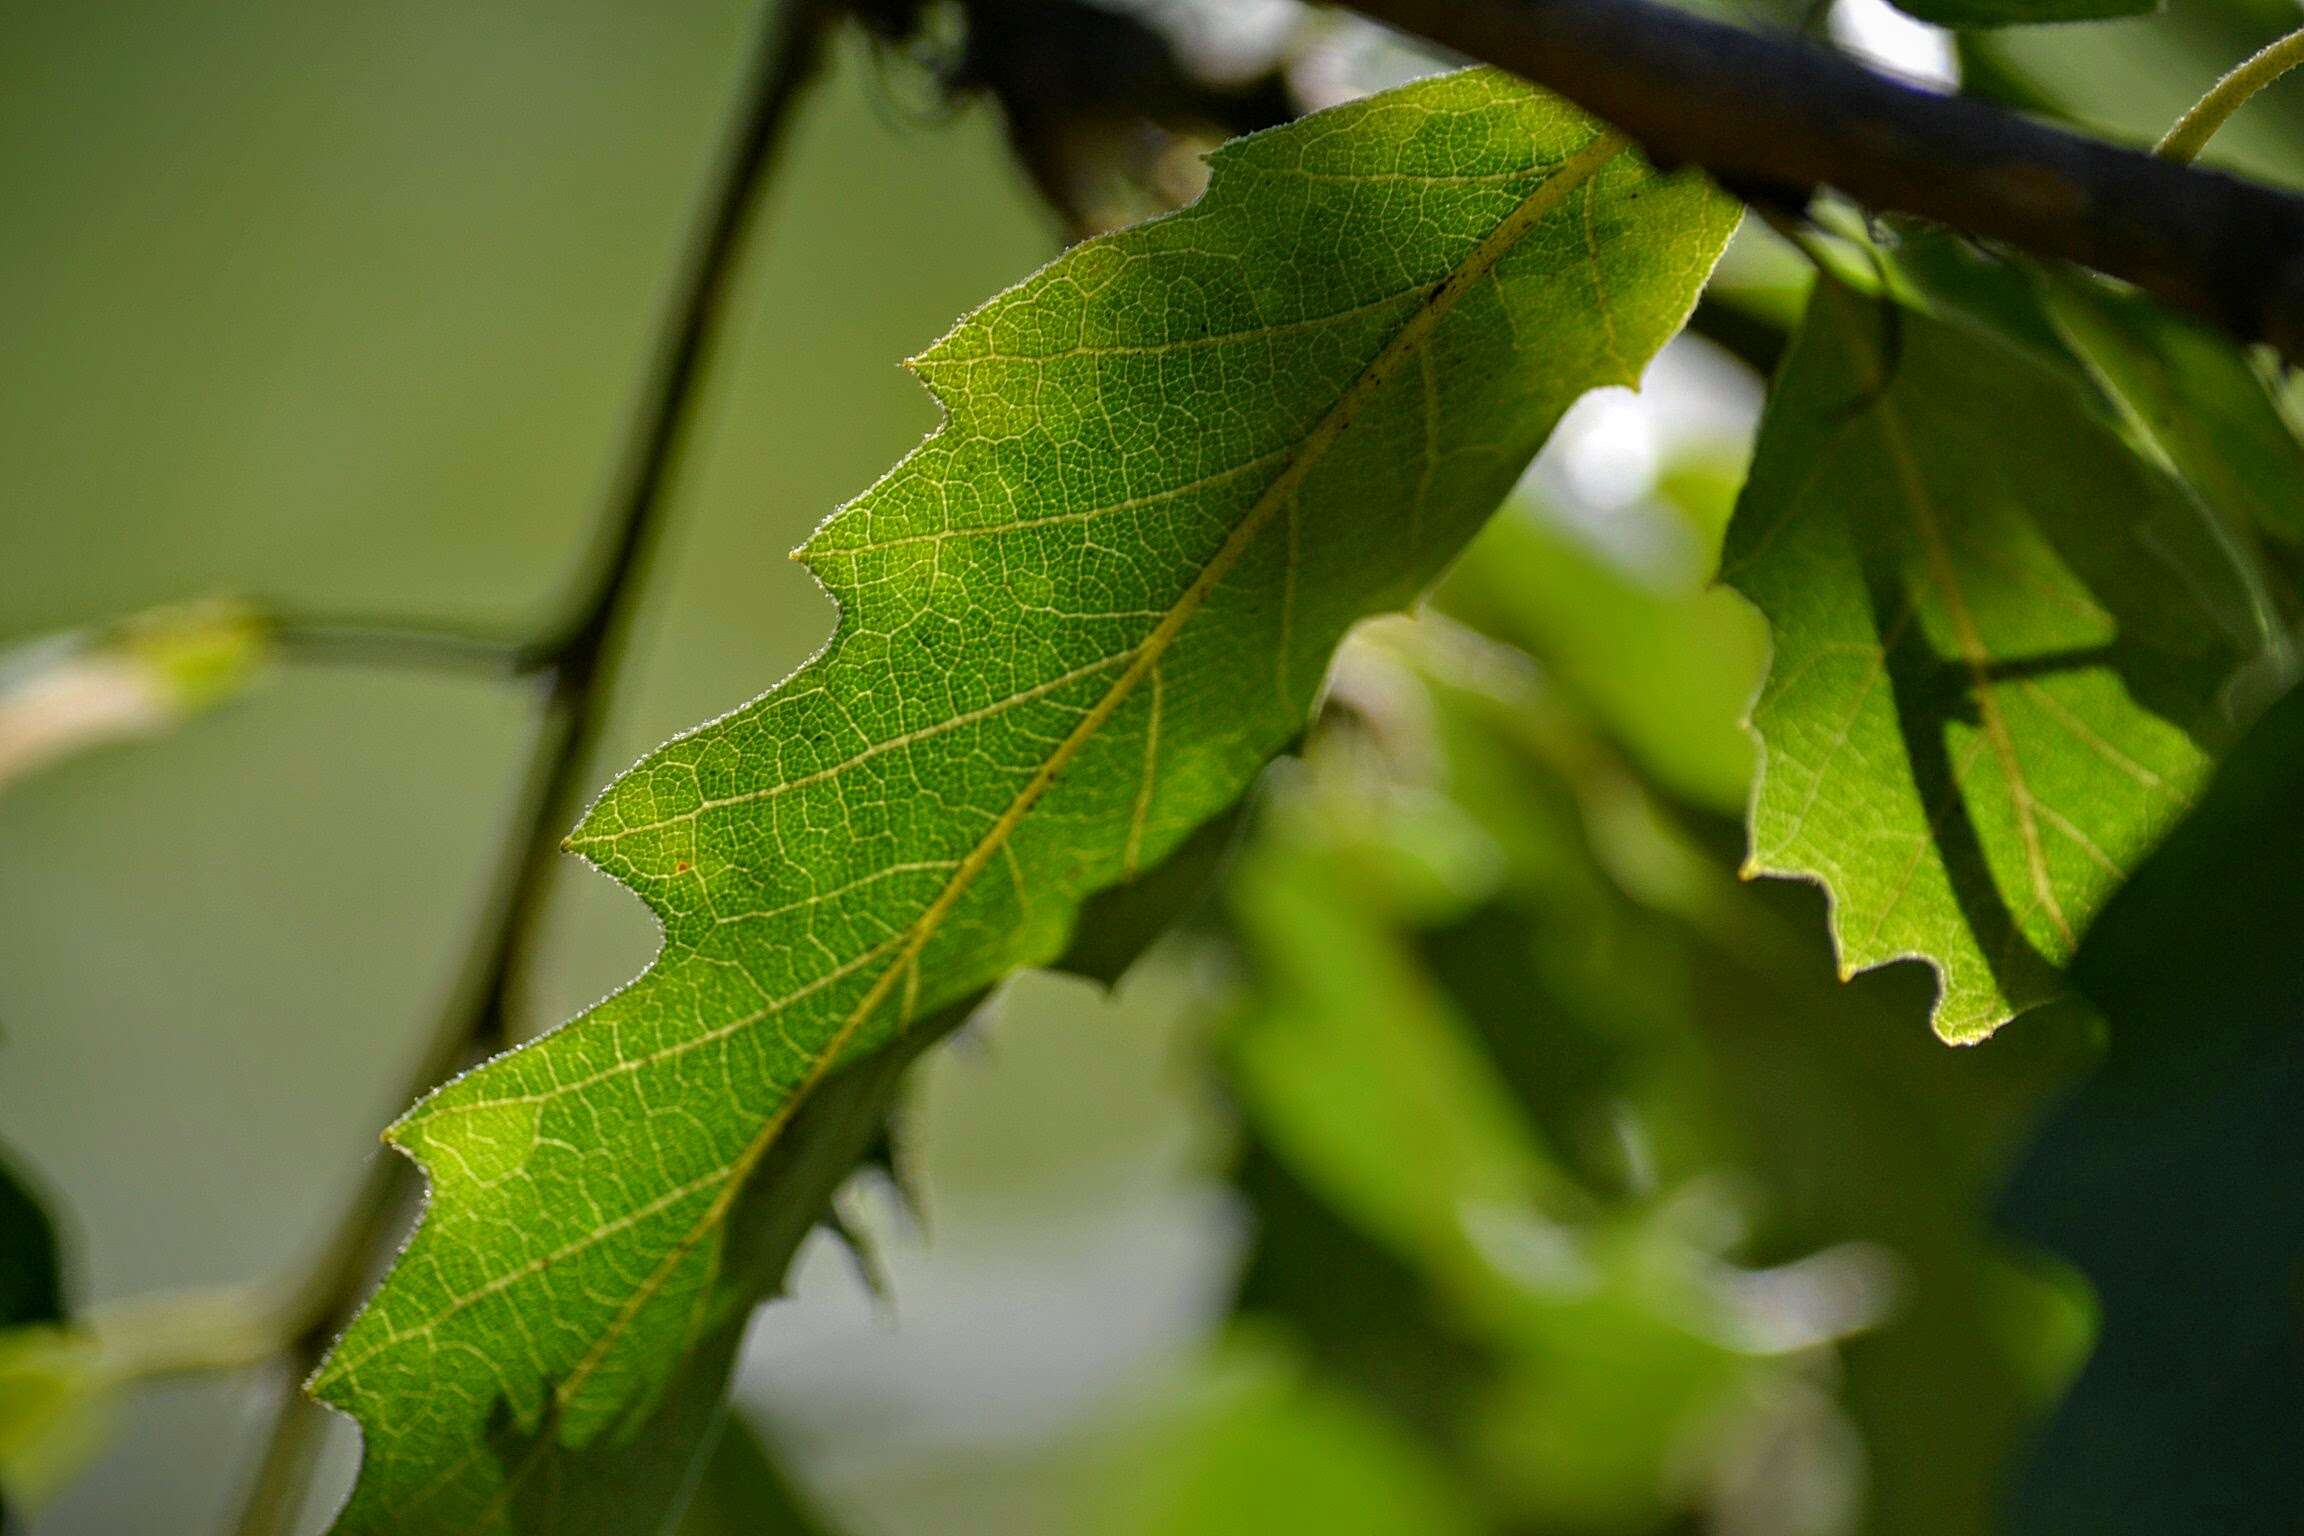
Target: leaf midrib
1571	173
1975	655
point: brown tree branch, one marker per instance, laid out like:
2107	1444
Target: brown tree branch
576	664
1781	116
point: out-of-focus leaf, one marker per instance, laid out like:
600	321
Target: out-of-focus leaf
1660	1027
1266	1449
2130	83
1855	1128
1572	1354
55	1401
1364	1317
2171	1179
1356	1069
1668	672
1998	674
1180	462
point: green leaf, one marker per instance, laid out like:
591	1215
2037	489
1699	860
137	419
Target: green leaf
57	1399
2004	645
1675	1039
1268	1448
509	1476
743	1492
2199	400
1570	1352
641	1477
1669	671
1354	1064
1362	1315
1179	463
2189	398
2171	1179
2017	13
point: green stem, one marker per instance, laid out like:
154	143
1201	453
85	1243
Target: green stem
577	662
2195	128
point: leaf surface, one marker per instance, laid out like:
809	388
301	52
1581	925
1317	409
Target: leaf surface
1262	1444
2195	397
2208	410
1178	464
744	1492
1669	671
2004	645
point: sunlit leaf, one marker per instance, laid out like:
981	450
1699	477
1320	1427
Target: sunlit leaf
1180	462
1261	1447
2005	647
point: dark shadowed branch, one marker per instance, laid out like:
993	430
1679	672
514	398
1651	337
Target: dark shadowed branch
1776	118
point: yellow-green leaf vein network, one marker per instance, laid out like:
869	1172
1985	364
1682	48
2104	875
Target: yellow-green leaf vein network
1178	464
2005	647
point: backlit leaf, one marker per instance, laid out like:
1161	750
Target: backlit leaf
2004	649
1180	462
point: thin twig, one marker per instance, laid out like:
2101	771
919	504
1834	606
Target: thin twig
1777	117
2195	128
577	663
397	644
